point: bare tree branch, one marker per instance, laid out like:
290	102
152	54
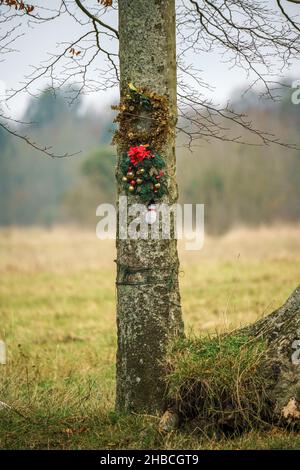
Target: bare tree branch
253	35
95	19
45	150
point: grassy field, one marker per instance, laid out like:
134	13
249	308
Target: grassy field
57	317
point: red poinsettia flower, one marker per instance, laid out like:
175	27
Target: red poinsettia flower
138	154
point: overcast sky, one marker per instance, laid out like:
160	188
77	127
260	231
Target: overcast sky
33	47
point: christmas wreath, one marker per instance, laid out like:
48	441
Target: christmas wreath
141	167
142	173
139	104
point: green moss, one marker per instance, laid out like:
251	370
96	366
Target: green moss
218	382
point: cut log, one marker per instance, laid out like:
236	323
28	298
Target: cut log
281	330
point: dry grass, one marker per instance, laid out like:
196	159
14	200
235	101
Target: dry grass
57	316
217	384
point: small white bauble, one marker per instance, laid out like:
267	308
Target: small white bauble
151	214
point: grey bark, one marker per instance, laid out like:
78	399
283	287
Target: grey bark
281	329
148	299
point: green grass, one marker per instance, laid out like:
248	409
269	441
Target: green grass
57	317
217	383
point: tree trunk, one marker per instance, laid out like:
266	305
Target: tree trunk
281	329
148	311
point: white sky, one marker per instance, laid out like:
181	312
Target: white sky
37	42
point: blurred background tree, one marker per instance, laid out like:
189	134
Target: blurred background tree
256	184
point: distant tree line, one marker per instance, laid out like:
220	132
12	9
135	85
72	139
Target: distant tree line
239	184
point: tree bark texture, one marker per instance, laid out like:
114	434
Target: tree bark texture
281	329
148	299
